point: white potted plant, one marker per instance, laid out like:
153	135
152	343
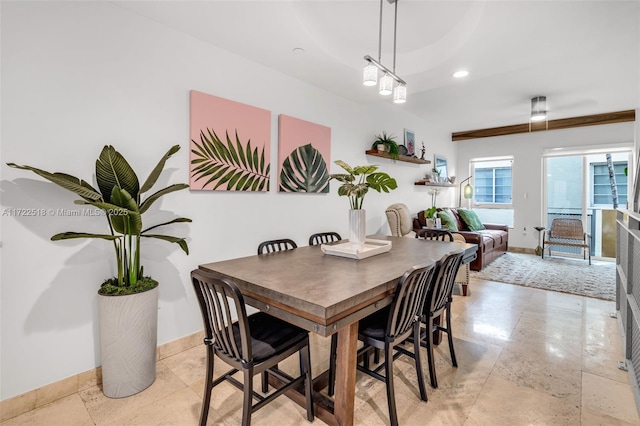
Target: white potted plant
128	302
355	185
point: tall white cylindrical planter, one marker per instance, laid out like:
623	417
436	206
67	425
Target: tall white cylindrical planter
128	340
357	227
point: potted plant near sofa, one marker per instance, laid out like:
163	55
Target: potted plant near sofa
128	302
355	185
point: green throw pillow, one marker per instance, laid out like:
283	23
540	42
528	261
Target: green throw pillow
471	219
448	222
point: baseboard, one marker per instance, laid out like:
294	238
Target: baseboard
47	394
522	250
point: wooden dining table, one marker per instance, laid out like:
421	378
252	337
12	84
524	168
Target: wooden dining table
327	294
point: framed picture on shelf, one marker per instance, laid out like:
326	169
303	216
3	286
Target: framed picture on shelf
410	141
440	164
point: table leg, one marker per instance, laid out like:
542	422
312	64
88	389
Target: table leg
346	374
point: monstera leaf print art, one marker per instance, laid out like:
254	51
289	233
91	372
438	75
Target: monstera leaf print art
238	166
304	170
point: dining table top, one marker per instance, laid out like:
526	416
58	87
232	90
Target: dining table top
322	292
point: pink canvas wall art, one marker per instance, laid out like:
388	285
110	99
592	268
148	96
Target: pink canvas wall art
230	145
304	149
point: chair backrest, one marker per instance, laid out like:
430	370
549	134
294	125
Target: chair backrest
218	298
399	218
570	229
435	234
276	245
443	280
323	238
409	299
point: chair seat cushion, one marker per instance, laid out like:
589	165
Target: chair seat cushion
375	325
269	335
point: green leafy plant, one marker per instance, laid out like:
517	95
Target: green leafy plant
304	170
357	181
428	213
389	142
241	167
119	198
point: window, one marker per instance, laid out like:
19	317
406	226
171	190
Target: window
601	190
493	181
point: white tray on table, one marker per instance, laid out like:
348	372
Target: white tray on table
346	249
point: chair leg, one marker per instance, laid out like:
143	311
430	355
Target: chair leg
366	358
450	337
430	360
206	398
464	289
305	361
332	364
391	399
248	397
265	381
416	357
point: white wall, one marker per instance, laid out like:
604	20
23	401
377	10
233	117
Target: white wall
79	75
527	150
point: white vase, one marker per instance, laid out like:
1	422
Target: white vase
357	227
128	341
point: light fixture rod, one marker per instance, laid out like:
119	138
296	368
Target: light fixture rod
380	35
395	26
385	69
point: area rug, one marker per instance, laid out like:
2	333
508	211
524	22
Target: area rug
555	273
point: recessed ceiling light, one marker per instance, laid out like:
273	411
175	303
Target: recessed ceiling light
298	50
460	74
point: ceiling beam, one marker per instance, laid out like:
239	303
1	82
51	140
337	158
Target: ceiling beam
563	123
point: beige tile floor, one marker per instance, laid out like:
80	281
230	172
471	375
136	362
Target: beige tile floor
526	357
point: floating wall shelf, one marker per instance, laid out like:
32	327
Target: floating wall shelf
423	183
404	158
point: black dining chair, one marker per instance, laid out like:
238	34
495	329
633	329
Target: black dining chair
438	301
323	238
276	245
435	234
389	327
251	344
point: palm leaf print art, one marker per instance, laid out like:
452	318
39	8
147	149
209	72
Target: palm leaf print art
304	170
242	168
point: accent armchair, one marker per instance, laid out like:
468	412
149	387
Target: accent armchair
400	220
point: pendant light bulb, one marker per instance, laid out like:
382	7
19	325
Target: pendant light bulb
400	94
386	85
370	75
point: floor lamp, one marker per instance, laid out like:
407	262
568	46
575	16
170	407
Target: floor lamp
468	191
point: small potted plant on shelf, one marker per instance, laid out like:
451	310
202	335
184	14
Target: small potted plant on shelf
436	175
355	185
386	143
128	302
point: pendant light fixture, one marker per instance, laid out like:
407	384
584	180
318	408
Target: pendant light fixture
390	82
539	108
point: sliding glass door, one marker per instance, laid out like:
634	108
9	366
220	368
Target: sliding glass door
587	186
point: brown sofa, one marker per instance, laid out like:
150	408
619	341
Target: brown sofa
492	242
